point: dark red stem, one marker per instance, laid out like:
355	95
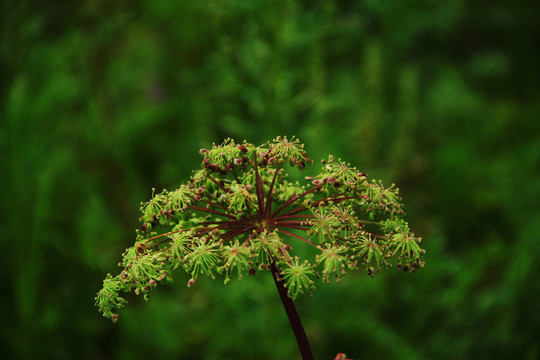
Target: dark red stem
235	176
293	199
258	189
292	314
315	203
217	183
268	206
297	236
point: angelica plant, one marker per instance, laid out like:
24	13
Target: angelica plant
239	214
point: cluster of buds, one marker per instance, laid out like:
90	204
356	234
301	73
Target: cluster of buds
239	214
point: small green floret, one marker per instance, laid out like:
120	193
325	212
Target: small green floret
334	260
108	300
203	258
297	277
237	257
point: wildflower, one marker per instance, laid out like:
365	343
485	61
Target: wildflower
240	213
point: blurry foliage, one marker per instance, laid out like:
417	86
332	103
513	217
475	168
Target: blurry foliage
102	100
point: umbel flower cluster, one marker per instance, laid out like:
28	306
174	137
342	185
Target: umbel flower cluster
239	214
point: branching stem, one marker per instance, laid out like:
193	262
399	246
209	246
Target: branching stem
258	188
297	236
293	199
217	183
268	206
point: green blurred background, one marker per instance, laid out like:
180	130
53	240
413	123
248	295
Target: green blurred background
102	100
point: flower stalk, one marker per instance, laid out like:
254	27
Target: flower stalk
292	315
240	214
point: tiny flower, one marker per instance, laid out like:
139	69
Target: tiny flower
242	148
405	268
162	277
329	180
238	215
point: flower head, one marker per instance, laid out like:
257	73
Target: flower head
239	214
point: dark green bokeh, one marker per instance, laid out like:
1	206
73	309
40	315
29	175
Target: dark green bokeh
102	100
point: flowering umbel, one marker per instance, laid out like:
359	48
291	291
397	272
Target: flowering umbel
239	214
